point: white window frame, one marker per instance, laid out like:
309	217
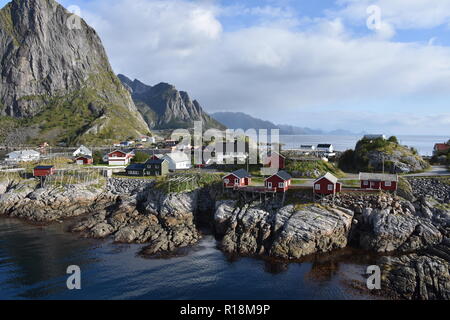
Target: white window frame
237	181
317	187
330	187
227	181
269	185
388	184
281	185
366	183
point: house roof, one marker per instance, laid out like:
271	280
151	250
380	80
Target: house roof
155	161
177	157
329	177
84	156
241	173
43	167
283	175
378	177
136	166
23	153
83	150
441	147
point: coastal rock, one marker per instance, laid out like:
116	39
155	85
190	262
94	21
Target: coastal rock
287	232
165	221
384	231
24	200
416	277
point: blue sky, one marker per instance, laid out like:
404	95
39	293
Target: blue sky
300	62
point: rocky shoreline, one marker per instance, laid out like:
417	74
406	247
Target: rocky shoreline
415	232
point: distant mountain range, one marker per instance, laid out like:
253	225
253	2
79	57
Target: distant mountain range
239	120
164	107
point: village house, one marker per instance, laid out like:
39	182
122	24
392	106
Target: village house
43	171
84	160
156	167
327	184
378	181
178	161
279	182
135	169
274	158
239	178
440	148
325	148
23	156
82	151
119	158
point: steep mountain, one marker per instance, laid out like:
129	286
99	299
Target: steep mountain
56	83
164	107
239	120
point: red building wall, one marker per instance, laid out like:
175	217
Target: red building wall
378	185
275	180
231	181
43	173
281	161
324	183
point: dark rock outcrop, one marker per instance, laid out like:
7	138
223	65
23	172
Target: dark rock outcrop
164	107
416	277
54	66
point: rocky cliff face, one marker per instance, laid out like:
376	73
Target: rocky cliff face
288	232
164	107
55	74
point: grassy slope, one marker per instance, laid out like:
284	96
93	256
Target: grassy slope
309	166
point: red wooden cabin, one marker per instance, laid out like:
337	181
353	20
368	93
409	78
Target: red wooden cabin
379	181
43	171
327	184
272	158
279	182
239	178
84	160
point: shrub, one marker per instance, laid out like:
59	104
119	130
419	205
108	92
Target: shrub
393	139
140	157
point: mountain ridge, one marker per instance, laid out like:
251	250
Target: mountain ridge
57	84
165	107
240	120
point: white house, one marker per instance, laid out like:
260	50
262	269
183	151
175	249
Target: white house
119	158
23	156
325	148
82	151
178	161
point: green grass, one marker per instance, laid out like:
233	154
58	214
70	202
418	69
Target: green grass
310	166
168	185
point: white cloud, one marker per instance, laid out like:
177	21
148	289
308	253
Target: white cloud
268	70
400	14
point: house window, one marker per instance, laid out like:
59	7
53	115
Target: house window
317	186
330	187
388	184
227	181
269	185
366	183
236	181
281	185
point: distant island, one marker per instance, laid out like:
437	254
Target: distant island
240	120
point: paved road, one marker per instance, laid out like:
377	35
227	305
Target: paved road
435	171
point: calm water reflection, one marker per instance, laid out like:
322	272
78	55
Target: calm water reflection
33	262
